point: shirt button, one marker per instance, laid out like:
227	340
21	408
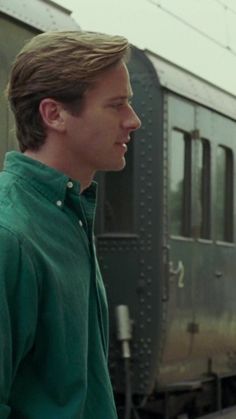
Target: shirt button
70	184
59	203
80	223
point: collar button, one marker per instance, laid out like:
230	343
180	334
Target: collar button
70	185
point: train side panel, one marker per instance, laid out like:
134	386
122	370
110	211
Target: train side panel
201	202
129	236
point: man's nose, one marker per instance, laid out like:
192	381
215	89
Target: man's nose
133	122
138	121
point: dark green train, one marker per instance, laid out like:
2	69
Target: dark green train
166	241
165	234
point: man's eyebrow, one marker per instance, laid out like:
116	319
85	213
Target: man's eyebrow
124	97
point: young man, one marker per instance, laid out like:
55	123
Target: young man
70	95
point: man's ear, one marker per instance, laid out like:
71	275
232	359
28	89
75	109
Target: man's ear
52	114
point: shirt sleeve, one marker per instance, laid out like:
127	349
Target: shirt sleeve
18	310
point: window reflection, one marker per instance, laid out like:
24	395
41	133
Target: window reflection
180	183
224	201
204	192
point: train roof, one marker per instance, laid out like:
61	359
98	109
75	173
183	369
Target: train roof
184	83
44	15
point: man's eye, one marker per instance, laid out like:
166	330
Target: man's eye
117	105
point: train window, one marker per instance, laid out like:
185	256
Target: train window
204	168
180	184
224	191
119	199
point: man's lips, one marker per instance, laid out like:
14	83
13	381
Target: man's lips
123	142
122	145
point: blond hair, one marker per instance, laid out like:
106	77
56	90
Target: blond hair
62	66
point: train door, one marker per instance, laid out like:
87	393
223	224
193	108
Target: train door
203	289
216	265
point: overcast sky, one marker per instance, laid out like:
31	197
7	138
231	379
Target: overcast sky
199	35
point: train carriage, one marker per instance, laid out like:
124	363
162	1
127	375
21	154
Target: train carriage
166	237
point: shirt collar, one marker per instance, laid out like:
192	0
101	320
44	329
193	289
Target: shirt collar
50	182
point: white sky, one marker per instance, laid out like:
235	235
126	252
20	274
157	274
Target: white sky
160	28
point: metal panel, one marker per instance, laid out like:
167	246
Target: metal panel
44	15
131	265
186	84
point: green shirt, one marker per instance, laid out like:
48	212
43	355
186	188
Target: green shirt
53	310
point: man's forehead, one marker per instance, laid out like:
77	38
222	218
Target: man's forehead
118	74
113	83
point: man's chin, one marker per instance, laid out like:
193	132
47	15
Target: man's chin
119	167
116	167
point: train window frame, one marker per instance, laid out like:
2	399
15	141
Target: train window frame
227	224
185	212
205	191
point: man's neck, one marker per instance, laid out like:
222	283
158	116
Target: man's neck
56	162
